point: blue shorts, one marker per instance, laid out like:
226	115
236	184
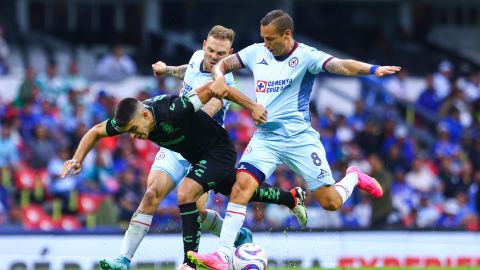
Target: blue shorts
171	163
303	153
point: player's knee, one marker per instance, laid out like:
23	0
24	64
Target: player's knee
185	196
331	203
151	197
242	191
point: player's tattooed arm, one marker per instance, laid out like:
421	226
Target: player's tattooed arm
177	72
350	67
226	65
160	69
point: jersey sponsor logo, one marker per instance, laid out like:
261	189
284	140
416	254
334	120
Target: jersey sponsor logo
174	141
323	174
261	86
185	89
263	62
293	62
273	86
160	155
248	150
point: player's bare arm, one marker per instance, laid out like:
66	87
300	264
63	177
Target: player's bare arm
259	113
213	106
204	95
160	69
350	67
86	144
226	65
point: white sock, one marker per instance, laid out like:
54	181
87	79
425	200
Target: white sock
345	186
138	228
234	218
213	222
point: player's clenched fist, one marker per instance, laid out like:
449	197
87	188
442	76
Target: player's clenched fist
219	89
159	68
70	165
259	114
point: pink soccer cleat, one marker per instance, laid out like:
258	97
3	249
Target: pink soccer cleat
367	183
210	261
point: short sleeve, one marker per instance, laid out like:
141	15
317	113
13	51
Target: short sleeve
247	56
318	61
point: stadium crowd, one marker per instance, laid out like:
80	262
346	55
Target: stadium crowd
426	185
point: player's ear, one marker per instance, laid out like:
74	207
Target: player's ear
204	45
231	51
287	33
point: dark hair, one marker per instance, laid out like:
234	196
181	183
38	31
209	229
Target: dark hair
280	19
125	111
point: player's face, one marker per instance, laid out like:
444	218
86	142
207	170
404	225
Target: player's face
277	43
139	127
215	50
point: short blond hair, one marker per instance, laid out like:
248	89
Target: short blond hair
222	33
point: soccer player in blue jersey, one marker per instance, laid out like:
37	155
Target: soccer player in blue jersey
284	71
169	167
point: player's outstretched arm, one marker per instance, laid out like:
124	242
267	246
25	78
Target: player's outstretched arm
160	69
226	65
350	67
259	113
86	144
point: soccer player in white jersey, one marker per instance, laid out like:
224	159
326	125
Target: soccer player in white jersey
284	71
169	167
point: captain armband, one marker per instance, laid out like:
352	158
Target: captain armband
195	100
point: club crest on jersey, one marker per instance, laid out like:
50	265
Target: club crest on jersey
160	155
293	62
261	86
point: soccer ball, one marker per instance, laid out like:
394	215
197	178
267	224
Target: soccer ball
249	256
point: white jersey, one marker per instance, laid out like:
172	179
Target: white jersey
195	76
284	84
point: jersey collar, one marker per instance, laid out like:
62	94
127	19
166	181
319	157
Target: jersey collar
282	58
201	68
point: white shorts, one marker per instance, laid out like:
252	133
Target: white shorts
303	153
171	163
